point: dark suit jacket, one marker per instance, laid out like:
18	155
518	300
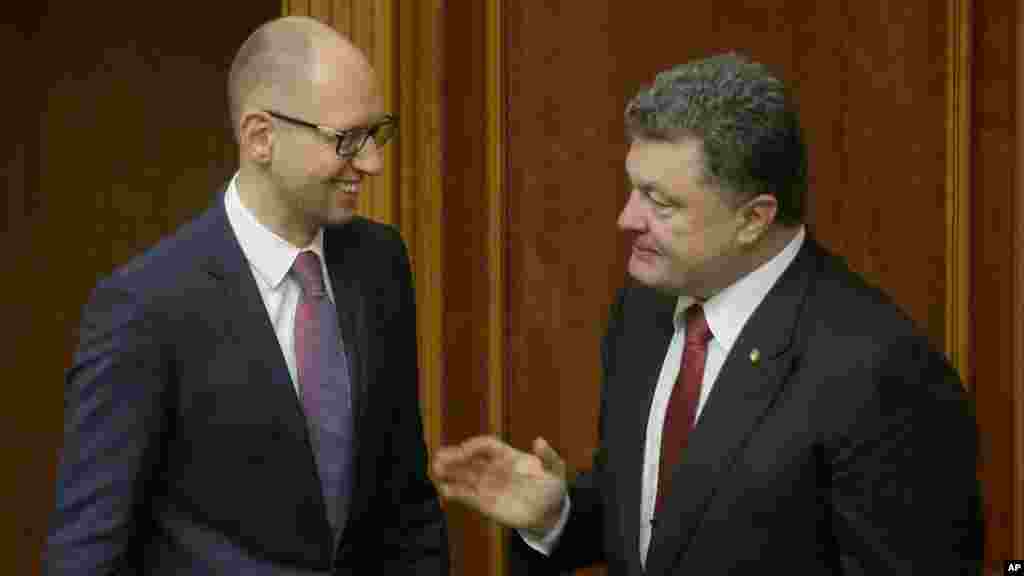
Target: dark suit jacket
186	449
847	448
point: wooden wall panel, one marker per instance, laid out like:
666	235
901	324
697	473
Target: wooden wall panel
996	286
420	200
1016	461
566	184
29	420
1016	548
471	264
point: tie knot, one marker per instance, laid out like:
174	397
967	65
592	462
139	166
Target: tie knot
307	271
697	330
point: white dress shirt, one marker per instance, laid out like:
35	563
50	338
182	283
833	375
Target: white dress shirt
726	312
271	258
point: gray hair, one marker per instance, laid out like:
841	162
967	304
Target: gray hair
745	120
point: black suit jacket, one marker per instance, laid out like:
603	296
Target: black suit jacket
186	449
846	448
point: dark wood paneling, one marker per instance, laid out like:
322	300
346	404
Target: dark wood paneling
565	180
132	142
893	63
467	265
995	255
24	436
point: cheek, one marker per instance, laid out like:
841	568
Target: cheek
689	247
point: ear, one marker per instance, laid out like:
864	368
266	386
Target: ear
256	136
755	218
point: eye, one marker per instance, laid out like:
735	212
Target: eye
660	204
352	140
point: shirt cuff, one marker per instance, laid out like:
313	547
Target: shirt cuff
546	544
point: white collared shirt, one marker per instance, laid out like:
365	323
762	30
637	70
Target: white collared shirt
726	312
271	258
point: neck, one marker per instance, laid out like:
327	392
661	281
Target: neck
774	241
259	197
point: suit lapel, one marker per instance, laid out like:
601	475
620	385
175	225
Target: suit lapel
743	395
631	401
245	313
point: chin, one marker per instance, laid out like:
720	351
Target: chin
655	281
645	275
340	217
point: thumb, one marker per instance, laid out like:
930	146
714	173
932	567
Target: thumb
549	458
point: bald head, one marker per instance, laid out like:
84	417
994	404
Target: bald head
283	62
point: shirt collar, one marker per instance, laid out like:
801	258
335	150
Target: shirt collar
270	255
728	311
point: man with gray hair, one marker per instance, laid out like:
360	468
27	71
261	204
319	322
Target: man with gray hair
763	409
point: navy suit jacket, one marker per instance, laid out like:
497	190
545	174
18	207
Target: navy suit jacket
845	446
186	449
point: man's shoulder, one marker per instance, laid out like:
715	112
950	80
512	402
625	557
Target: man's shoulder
847	295
847	311
364	243
170	260
362	231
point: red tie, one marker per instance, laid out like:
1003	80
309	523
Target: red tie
682	405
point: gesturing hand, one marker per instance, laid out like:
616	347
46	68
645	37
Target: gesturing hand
514	488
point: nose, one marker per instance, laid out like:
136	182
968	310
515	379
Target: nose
370	159
631	219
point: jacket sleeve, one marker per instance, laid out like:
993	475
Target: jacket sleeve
112	419
421	545
903	484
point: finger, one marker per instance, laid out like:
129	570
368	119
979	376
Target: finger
550	459
447	457
486	447
457	493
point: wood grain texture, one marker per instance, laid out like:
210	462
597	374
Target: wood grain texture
420	200
497	218
958	186
30	417
996	256
1017	509
565	147
470	322
1017	537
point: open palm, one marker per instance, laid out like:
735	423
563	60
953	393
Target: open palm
515	488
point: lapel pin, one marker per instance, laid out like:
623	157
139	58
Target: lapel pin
755	356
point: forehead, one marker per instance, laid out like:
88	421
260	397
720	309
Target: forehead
346	90
670	164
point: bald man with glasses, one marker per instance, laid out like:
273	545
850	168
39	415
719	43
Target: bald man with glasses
243	399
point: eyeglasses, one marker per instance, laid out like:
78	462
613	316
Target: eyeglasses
352	140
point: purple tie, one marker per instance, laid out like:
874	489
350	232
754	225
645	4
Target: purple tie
324	383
